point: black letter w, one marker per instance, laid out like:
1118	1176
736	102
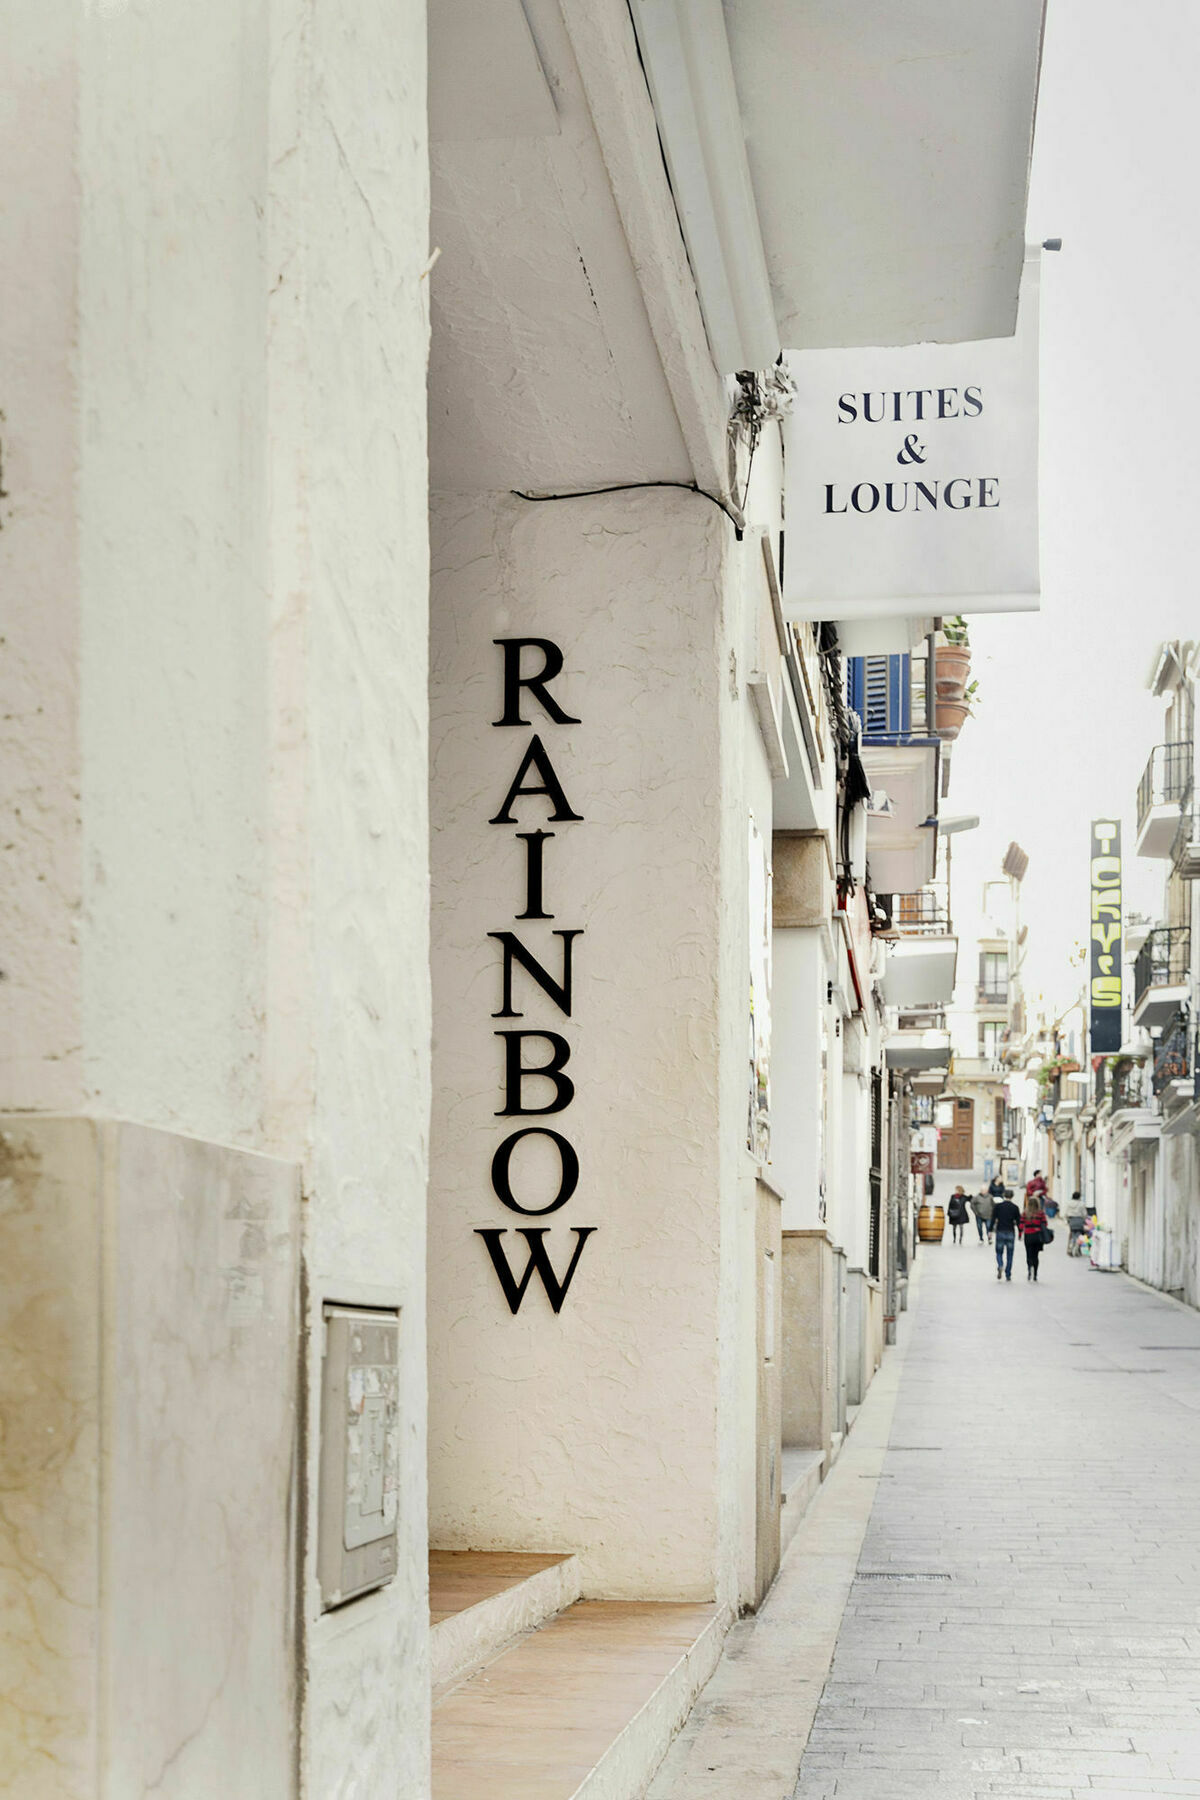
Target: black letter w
514	1292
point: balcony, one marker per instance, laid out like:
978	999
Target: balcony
1130	1088
892	697
900	754
1161	974
1172	1058
992	993
1185	847
920	915
920	971
917	1047
1165	782
922	952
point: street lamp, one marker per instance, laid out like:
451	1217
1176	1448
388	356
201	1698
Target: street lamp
948	828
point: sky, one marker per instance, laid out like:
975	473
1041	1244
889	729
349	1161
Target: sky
1065	720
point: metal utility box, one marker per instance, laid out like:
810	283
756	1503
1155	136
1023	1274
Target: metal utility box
359	1488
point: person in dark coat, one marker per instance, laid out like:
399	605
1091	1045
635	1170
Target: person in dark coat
1033	1223
957	1214
1006	1217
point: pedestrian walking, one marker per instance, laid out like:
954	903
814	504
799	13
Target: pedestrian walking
982	1205
1006	1217
1036	1185
1033	1223
996	1186
957	1213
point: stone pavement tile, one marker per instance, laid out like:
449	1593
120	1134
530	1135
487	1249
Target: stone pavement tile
867	1785
1043	1733
1114	1789
1070	1627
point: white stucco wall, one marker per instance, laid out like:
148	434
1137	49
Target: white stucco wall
214	400
797	1133
149	1397
347	1047
173	565
40	1064
595	1431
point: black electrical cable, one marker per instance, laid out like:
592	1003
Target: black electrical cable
625	487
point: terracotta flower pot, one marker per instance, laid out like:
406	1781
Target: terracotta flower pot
950	716
951	666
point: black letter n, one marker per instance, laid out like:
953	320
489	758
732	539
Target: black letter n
514	1291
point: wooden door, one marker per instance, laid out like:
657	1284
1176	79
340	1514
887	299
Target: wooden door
956	1145
999	1124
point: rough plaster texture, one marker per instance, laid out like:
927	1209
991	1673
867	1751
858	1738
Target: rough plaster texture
538	315
804	893
39	740
769	1420
809	1340
348	976
799	1133
219	916
172	649
595	1431
148	1321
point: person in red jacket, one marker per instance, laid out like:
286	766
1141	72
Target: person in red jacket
1036	1185
1033	1223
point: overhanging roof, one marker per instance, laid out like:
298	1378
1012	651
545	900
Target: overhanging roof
884	148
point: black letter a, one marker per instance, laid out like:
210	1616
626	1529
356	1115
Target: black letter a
514	1292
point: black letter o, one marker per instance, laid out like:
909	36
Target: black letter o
567	1184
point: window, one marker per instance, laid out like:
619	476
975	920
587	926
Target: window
993	977
991	1032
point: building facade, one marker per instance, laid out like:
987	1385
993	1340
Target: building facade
459	1042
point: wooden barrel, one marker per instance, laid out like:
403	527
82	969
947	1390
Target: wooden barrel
931	1224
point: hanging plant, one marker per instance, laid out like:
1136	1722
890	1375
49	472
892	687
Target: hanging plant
1054	1069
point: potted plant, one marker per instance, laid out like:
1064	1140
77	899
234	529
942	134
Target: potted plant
952	711
952	660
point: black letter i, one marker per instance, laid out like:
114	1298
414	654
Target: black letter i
533	874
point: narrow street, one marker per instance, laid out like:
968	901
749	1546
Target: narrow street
1044	1459
1024	1616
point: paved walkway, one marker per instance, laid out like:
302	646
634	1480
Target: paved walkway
1036	1631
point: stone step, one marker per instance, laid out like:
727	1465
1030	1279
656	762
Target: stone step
803	1472
481	1600
584	1708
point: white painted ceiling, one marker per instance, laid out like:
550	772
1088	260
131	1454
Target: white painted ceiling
889	145
543	369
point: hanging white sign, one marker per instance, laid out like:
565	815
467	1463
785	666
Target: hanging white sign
912	477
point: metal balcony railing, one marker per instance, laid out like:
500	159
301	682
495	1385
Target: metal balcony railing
1165	779
1172	1060
921	1018
1185	849
992	993
1128	1087
920	915
1164	960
